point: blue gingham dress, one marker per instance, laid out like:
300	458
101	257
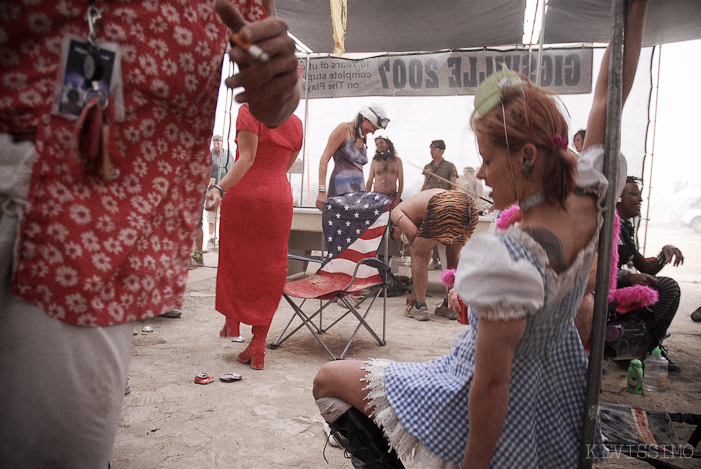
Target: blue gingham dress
423	407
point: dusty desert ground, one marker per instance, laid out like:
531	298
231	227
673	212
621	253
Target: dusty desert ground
269	419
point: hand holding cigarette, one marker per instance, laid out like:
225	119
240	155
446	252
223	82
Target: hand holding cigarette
255	51
265	55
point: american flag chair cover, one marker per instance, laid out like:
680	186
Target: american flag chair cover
354	225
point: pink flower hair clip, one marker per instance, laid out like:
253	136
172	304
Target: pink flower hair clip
558	141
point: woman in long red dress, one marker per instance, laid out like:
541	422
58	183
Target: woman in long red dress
256	217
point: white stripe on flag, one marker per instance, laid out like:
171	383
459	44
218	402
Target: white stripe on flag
343	266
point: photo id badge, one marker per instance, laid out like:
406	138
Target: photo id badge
89	72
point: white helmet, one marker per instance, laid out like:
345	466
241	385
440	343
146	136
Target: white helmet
375	114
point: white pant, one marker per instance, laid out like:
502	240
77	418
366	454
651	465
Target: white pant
61	386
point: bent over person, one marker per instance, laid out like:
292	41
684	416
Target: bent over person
430	217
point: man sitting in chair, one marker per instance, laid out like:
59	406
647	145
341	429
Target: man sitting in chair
430	217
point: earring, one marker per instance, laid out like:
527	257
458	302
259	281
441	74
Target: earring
527	170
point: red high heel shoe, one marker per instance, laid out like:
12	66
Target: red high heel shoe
231	328
254	354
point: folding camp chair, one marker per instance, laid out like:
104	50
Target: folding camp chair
354	225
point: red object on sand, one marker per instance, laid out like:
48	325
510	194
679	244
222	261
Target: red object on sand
203	378
462	317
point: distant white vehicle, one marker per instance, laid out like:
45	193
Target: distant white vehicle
692	218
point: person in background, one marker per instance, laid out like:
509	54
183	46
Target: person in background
430	217
578	140
469	182
436	176
439	167
91	241
511	391
386	171
221	164
347	146
255	224
658	316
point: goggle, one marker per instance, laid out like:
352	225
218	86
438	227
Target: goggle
381	121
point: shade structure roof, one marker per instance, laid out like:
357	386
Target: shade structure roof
590	21
411	25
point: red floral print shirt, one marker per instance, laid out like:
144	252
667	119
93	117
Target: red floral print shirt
97	253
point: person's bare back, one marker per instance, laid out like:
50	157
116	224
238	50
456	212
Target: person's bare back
415	207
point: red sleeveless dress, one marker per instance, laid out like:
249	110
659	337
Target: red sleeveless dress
256	217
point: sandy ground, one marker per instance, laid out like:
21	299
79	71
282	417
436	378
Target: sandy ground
269	419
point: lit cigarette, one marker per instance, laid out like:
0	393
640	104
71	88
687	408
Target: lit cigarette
255	51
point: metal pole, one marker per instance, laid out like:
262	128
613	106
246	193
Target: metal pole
652	148
603	274
540	43
306	126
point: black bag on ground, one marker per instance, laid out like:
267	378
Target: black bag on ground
395	287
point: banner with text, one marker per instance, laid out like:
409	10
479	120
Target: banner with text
564	71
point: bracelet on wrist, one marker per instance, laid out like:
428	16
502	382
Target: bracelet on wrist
220	188
322	188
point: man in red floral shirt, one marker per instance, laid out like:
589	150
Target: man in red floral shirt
106	109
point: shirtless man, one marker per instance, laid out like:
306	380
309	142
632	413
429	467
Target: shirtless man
430	217
386	171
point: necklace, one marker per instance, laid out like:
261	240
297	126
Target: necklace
531	202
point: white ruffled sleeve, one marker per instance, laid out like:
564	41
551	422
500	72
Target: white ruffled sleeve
590	170
494	284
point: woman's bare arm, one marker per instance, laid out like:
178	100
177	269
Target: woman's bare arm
635	21
248	146
371	177
489	393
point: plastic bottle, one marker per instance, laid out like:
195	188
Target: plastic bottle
655	379
635	377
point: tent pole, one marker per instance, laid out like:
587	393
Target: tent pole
603	274
541	40
652	147
306	126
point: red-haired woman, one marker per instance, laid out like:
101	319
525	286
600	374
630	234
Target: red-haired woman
517	376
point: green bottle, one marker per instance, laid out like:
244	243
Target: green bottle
635	377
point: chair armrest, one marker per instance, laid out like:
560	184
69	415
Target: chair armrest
376	263
303	257
372	262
